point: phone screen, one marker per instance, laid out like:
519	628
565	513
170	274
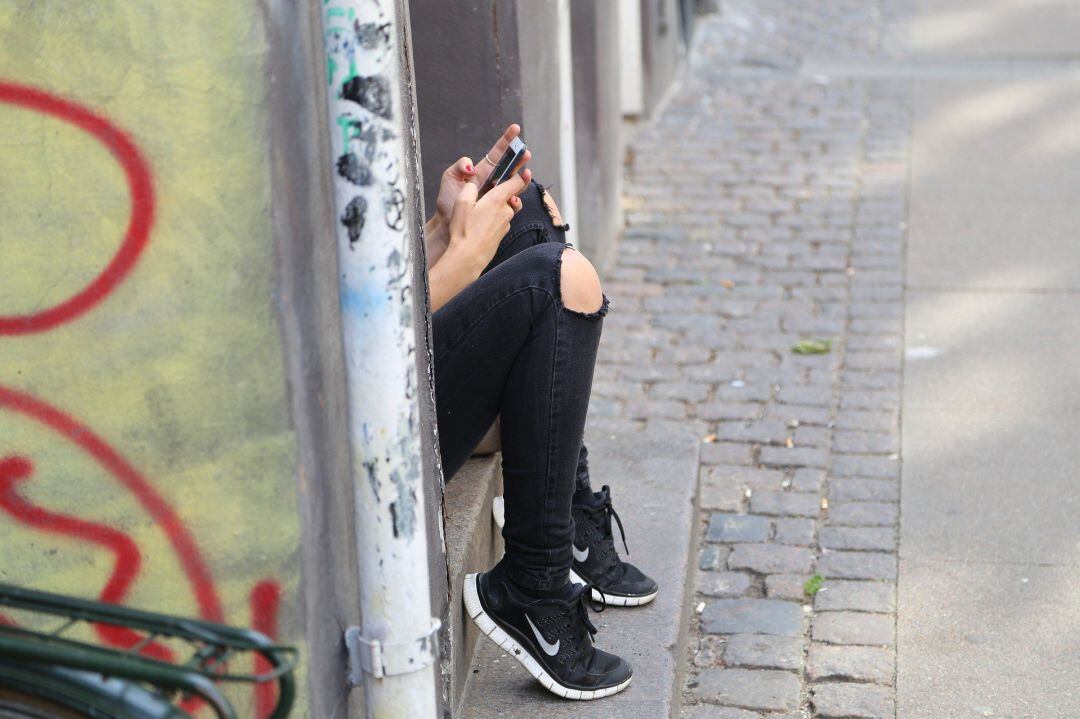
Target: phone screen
505	167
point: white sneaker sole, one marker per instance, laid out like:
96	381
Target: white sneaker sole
496	634
498	513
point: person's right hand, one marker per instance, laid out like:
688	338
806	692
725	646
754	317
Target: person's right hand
462	172
478	225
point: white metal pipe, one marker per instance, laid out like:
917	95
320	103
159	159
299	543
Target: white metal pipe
631	73
568	204
372	195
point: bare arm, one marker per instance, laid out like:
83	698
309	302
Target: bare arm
475	229
436	239
454	179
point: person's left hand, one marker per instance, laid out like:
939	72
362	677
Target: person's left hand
463	171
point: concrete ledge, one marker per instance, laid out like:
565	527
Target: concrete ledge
473	544
653	477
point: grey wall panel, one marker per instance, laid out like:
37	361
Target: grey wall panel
598	121
661	47
539	56
468	82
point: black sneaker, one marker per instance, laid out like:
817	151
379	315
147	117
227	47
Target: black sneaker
596	562
551	638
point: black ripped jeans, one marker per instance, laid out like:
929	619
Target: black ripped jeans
507	346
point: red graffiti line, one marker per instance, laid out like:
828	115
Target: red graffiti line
265	600
17	469
140	187
180	537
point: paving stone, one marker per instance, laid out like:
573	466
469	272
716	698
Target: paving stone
800	413
753	616
868	399
722	584
771	558
868	538
746	477
856	565
720	489
866	442
882	490
866	421
810	436
854	628
793	457
811	396
647	409
872	360
737	528
806	479
757	430
716	411
743	392
713	557
852	701
868	596
799	532
786	586
757	689
687	391
853	465
709	650
786	504
709	711
764	652
863	514
869	664
726	453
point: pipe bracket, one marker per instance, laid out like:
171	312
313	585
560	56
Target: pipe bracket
386	659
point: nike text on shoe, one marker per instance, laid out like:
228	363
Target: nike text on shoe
551	638
597	563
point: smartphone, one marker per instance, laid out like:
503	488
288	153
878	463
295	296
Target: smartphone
506	166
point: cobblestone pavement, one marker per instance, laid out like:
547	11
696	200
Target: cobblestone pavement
766	207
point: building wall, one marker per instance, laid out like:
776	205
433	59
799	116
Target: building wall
468	86
599	135
146	450
662	47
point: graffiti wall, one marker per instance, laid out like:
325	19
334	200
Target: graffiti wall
146	456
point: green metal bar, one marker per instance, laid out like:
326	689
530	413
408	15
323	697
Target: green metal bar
221	640
115	664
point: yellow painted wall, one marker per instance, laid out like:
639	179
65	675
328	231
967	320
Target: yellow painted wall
179	369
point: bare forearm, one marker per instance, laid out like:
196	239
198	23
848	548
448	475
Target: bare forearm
455	271
436	239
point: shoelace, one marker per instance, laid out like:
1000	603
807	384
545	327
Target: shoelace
582	605
608	512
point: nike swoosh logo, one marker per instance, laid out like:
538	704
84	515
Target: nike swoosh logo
549	648
580	555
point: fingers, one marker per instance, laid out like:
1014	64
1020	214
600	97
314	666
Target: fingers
526	175
463	169
503	142
462	204
515	185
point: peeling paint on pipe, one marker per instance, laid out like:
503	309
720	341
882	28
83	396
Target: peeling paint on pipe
377	303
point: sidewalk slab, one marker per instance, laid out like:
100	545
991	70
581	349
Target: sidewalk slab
653	478
977	28
990	451
994	169
987	640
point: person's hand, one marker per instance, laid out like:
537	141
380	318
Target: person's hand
463	172
478	225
